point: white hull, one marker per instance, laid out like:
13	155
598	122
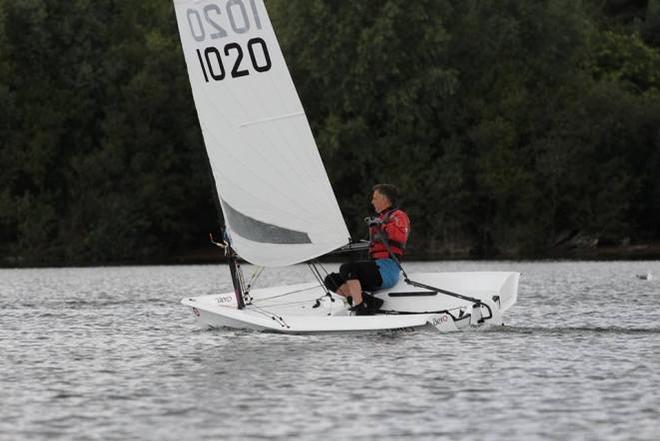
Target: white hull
295	309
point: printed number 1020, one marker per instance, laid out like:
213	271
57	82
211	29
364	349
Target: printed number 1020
211	60
210	22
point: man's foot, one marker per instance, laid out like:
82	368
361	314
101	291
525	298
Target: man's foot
361	309
369	306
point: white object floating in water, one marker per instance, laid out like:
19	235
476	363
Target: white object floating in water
647	276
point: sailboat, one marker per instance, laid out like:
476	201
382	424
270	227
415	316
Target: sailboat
276	198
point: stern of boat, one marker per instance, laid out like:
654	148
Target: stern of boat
497	288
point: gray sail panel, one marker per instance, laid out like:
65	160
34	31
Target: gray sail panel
262	232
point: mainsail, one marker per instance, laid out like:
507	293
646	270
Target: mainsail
276	197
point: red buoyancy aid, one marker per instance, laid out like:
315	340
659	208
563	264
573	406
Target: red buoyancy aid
395	226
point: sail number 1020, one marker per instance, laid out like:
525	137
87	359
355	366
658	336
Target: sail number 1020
214	22
213	67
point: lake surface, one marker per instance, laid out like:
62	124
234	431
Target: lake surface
108	353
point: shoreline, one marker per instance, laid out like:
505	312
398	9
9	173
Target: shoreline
211	256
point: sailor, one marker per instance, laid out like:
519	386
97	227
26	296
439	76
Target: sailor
388	233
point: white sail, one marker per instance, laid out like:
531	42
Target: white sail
276	198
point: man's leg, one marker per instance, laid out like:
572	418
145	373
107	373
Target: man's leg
352	288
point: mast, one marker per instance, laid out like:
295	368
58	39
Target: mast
236	277
234	268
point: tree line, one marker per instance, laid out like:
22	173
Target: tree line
512	127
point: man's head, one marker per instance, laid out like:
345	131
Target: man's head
384	196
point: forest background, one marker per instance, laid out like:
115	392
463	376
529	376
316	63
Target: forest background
514	128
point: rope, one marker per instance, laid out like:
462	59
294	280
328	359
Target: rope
253	279
287	293
266	313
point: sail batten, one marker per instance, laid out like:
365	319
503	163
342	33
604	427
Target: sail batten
276	198
272	118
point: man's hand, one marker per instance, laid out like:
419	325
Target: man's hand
373	221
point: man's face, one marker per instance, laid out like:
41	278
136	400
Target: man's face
379	201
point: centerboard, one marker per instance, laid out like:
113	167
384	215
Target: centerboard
276	198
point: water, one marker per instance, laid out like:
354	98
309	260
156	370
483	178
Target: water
108	353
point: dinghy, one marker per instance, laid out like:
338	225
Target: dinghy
277	202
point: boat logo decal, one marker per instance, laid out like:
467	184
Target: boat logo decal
222	300
439	320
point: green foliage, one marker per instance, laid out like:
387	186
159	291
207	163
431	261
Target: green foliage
102	157
509	125
372	106
627	60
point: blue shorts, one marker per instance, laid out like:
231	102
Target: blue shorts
389	272
372	274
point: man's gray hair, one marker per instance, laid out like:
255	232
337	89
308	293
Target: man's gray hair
389	191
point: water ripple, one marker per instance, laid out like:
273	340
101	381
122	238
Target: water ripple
108	353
